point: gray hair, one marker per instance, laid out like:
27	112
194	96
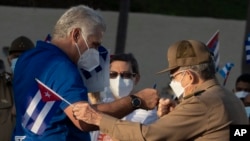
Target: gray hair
83	17
205	70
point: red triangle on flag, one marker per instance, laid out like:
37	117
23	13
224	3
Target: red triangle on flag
213	40
47	93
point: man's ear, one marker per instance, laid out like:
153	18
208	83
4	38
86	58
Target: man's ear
137	78
76	34
192	76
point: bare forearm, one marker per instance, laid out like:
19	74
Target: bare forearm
118	108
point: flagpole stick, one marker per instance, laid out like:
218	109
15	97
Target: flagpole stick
67	102
225	81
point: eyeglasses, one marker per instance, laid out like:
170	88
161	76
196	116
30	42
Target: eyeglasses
125	75
172	76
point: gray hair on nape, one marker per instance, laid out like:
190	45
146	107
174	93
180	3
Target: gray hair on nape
81	16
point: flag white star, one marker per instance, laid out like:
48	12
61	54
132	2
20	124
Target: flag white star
47	94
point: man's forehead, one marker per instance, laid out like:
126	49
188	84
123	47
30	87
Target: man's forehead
243	86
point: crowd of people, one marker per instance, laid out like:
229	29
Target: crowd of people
98	100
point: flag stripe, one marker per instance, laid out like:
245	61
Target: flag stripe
224	71
32	106
216	49
247	49
41	116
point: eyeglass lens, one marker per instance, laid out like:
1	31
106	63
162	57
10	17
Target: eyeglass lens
125	75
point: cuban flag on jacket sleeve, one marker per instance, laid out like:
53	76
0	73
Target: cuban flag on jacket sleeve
213	44
41	108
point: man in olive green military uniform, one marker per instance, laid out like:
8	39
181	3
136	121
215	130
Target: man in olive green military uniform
7	108
205	112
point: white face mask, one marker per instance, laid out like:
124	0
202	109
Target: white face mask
241	94
121	87
248	111
98	80
13	64
177	88
89	60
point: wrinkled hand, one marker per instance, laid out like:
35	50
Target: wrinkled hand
84	112
149	97
165	106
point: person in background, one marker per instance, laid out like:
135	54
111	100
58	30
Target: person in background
205	112
18	46
7	117
58	64
7	107
242	91
124	76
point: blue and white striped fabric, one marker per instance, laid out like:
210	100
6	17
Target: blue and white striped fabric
226	69
39	113
247	47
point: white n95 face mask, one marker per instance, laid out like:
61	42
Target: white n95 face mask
96	81
121	87
241	94
177	88
89	60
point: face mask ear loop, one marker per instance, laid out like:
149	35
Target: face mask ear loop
183	76
85	42
78	49
182	79
186	85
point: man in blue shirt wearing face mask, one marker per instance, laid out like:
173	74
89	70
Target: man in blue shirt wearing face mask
73	47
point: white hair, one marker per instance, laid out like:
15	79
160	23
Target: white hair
83	17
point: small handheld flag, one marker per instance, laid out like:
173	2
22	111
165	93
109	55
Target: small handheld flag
48	94
41	106
224	72
213	44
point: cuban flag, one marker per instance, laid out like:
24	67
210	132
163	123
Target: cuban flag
41	109
247	46
213	44
224	72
